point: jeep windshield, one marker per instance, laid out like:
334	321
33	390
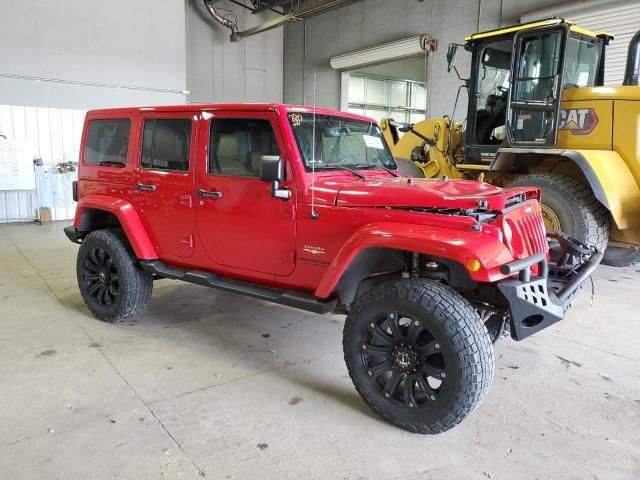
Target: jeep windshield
340	143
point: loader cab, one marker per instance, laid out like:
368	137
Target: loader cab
516	83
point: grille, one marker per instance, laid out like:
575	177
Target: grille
531	229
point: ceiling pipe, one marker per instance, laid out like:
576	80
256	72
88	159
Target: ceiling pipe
293	16
222	20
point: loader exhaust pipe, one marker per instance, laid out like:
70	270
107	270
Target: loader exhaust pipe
632	70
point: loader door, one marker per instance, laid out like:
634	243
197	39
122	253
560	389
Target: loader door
537	69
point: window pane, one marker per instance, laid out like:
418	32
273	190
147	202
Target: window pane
418	96
377	114
376	91
147	138
107	143
418	117
581	63
398	94
237	144
356	89
166	144
538	67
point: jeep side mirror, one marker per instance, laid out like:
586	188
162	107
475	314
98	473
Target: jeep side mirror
272	170
451	57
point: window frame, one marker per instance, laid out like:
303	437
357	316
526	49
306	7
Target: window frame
85	145
189	118
239	117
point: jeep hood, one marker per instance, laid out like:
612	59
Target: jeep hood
427	193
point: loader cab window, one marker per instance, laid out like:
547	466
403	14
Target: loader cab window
493	76
582	59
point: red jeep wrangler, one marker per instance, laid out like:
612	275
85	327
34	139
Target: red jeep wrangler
305	208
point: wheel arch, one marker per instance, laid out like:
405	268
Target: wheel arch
104	211
378	249
605	172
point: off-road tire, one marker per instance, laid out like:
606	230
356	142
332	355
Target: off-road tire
581	215
464	344
134	284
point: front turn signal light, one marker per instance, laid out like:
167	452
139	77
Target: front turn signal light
473	265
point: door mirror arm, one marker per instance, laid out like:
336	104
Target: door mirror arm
281	193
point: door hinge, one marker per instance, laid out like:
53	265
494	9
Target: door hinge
186	201
187	240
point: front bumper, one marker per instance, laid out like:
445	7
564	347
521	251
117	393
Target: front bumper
538	302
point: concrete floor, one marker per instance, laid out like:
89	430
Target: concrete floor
209	384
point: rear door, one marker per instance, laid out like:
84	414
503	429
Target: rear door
239	222
163	192
537	70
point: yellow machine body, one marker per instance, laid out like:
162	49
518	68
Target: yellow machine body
598	142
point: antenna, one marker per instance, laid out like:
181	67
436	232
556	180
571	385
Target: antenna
314	214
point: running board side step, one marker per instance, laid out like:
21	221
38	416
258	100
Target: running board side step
303	301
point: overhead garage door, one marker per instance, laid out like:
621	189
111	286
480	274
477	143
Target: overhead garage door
621	19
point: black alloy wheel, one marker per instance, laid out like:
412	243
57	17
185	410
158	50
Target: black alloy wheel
101	277
404	360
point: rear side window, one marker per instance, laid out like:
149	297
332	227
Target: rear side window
166	143
237	144
107	143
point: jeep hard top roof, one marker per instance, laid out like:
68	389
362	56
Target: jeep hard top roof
210	107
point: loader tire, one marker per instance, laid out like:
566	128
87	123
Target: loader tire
621	257
570	206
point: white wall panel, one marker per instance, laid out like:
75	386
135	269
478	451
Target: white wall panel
54	135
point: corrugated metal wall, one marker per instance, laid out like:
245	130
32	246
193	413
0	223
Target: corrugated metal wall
54	135
621	19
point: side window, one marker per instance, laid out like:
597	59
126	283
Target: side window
166	143
107	143
236	145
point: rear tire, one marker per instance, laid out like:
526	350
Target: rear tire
418	354
112	284
577	210
621	257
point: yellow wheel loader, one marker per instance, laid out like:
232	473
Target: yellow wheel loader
539	115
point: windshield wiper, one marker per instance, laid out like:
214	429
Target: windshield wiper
341	167
368	166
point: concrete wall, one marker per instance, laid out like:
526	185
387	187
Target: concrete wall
221	71
135	45
310	44
123	52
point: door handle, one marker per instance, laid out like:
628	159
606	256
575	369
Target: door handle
145	188
207	194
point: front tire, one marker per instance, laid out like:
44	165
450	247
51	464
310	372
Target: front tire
418	354
112	284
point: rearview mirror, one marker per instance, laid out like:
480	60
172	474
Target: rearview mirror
451	56
272	170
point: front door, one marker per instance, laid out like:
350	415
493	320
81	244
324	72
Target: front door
239	222
537	70
164	182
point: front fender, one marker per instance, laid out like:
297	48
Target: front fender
126	215
455	245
